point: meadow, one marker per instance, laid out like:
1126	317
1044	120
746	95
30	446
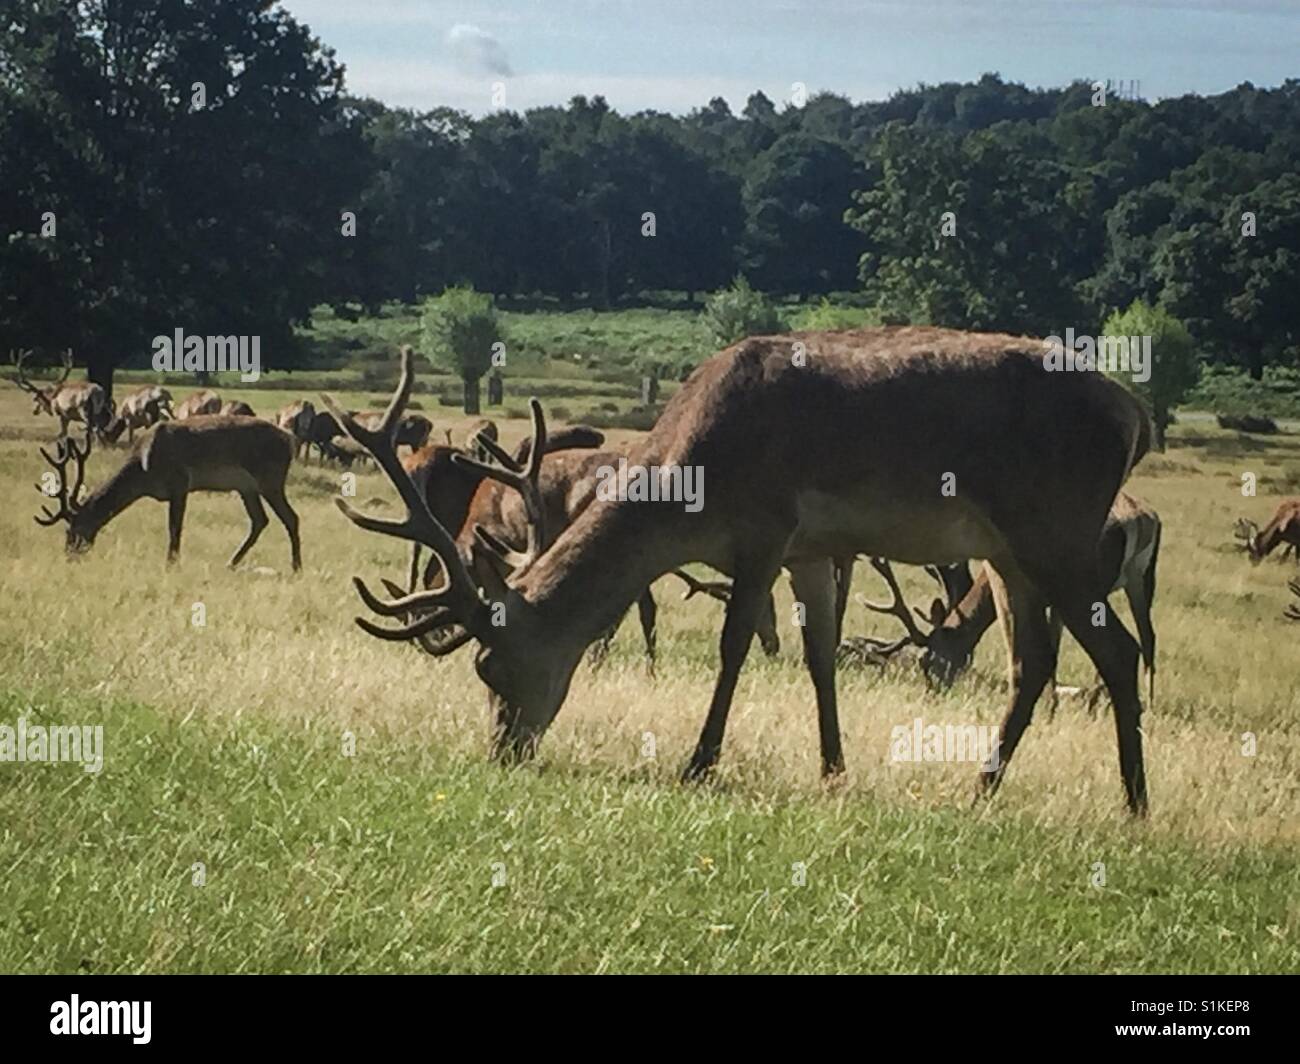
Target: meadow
281	792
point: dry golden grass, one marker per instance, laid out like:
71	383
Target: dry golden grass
118	623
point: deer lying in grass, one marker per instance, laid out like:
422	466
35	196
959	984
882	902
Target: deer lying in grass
1129	552
200	403
1035	457
1282	531
174	458
236	408
80	401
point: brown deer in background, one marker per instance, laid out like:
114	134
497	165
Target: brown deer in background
1036	457
144	407
1283	529
296	419
200	403
1129	552
204	453
236	408
81	401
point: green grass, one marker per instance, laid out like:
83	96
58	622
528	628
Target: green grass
405	857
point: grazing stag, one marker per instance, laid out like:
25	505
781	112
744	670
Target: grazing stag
144	407
200	403
81	401
1129	551
204	453
297	419
1010	463
1283	529
236	408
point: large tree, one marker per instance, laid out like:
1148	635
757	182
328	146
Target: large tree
169	165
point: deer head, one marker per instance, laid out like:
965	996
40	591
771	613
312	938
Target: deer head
42	397
526	668
81	532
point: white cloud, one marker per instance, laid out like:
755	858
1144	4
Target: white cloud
477	51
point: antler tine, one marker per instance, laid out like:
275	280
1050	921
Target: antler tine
1292	612
526	481
720	590
459	589
898	607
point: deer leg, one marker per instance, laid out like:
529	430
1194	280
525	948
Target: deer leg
1054	633
175	519
257	521
816	588
280	505
1114	652
843	585
1022	612
648	613
766	629
1141	607
752	584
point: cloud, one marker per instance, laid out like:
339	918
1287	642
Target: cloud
477	51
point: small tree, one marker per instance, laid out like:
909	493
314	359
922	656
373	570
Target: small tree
460	330
1175	367
733	313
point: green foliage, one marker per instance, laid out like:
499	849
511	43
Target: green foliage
738	311
825	315
1175	364
459	329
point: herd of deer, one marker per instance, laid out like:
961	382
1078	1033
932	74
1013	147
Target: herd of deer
811	462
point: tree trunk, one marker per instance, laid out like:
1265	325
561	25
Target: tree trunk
100	371
471	395
1158	425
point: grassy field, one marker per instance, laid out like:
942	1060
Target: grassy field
234	828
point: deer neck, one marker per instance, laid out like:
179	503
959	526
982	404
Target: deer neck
124	487
603	562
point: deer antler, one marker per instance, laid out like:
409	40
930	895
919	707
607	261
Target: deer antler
524	479
1247	532
1292	612
17	359
718	589
459	592
68	501
67	368
897	608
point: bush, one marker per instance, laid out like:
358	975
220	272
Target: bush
1175	366
460	328
828	316
734	313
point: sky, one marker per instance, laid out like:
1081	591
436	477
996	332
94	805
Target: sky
674	55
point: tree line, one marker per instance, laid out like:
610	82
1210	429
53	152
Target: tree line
204	165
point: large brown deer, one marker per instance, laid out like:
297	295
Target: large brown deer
919	444
203	453
1129	552
1283	529
81	401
